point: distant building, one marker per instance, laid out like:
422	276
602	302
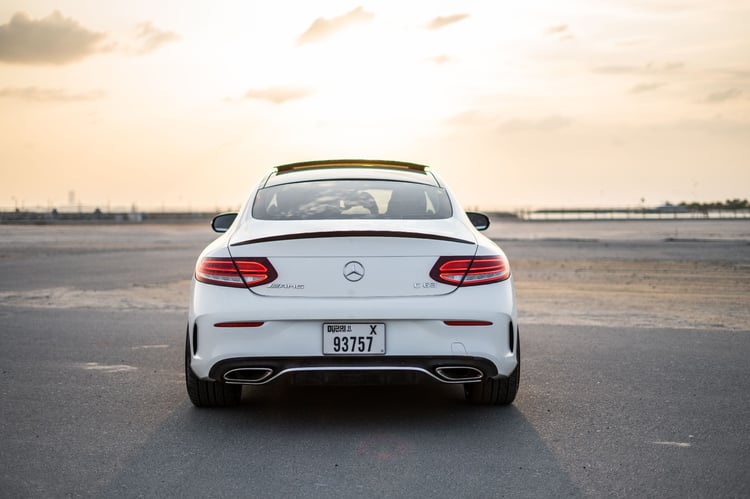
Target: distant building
670	208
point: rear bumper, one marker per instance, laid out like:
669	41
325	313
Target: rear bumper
324	370
290	340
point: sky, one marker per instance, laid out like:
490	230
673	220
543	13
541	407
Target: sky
535	104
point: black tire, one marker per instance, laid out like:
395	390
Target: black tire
208	393
496	391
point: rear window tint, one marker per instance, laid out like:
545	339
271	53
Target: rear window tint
351	199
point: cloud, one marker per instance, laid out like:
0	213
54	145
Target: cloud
441	59
51	40
474	118
36	94
323	28
560	31
650	68
642	88
671	66
559	28
717	125
277	95
666	6
723	96
633	42
443	21
740	74
151	38
551	123
616	70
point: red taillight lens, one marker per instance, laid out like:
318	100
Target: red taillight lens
237	273
467	323
470	271
239	324
256	271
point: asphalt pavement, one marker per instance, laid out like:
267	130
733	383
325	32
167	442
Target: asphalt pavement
93	404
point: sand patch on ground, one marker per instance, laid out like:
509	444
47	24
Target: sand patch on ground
674	294
595	292
167	296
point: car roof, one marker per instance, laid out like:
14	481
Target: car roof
351	169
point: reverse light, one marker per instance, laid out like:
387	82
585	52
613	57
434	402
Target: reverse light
470	271
236	273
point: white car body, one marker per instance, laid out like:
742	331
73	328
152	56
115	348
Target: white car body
446	332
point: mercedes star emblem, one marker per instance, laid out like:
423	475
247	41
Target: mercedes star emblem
354	271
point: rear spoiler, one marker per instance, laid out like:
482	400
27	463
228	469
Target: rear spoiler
352	233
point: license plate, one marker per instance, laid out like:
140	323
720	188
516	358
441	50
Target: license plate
354	338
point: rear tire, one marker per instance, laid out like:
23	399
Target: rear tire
208	393
496	391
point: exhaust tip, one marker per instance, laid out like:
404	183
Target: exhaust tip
248	375
459	373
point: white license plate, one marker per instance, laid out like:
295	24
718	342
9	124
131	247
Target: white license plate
353	338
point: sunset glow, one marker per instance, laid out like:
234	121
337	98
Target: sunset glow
539	104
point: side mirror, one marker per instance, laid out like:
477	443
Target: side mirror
222	222
479	220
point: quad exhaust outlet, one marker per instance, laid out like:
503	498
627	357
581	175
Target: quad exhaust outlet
457	374
248	375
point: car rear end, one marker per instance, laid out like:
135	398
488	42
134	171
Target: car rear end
351	287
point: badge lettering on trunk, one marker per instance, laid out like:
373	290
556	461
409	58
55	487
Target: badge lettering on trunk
286	286
424	285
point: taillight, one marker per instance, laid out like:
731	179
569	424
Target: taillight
470	271
237	273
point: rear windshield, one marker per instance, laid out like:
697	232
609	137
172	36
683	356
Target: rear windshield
346	199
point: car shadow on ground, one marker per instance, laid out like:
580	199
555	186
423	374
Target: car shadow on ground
371	441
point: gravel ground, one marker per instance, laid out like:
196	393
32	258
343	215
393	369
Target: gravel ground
599	274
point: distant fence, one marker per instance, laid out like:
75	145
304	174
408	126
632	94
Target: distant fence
632	214
82	216
97	216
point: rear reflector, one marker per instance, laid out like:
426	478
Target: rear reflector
470	271
237	273
467	323
239	324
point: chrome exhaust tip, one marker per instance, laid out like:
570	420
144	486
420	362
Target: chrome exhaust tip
248	375
459	373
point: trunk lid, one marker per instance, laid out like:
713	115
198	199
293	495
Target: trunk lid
339	258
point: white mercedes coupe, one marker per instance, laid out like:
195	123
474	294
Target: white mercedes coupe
354	272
